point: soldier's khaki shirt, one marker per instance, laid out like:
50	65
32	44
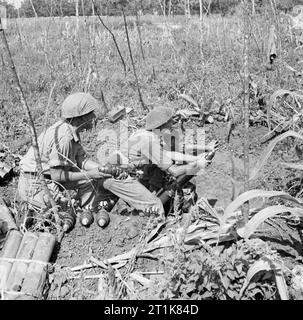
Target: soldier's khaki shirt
59	145
144	147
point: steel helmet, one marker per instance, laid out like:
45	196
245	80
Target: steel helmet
78	104
157	117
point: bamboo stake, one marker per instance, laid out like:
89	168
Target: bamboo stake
77	16
133	64
27	110
246	105
201	9
253	7
113	36
139	34
33	7
277	25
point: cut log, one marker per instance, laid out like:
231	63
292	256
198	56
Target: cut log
25	252
9	251
35	278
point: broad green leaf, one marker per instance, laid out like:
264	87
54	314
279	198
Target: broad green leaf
295	166
239	268
266	153
258	266
190	100
248	195
264	214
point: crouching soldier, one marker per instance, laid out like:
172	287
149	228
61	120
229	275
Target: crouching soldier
66	165
146	149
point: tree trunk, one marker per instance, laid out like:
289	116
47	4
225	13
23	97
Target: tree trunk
77	14
253	8
82	8
33	7
208	9
201	9
162	8
61	11
185	8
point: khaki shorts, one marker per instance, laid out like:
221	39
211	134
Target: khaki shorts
90	192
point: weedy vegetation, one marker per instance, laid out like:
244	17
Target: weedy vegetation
207	253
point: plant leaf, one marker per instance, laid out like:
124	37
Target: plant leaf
264	214
296	166
281	285
248	195
258	266
265	155
190	100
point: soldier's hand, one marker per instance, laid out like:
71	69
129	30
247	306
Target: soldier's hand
202	162
122	176
96	174
213	145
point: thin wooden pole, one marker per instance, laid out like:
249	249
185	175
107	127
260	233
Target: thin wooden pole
133	64
113	36
246	104
33	7
139	34
27	110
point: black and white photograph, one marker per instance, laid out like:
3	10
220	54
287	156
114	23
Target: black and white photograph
151	153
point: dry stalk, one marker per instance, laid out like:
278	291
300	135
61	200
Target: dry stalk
132	260
32	125
133	64
48	105
113	36
103	100
277	26
87	82
246	105
139	34
201	29
33	7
